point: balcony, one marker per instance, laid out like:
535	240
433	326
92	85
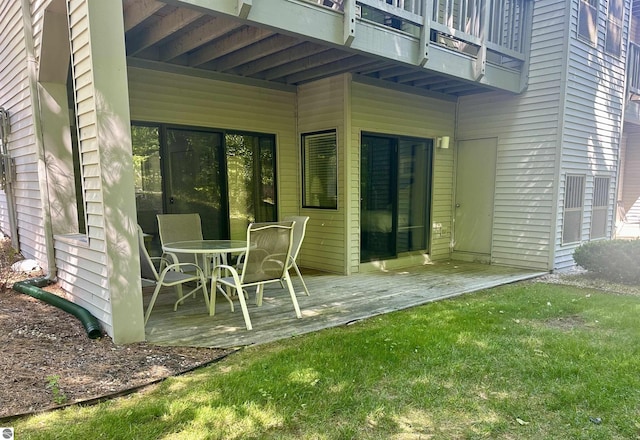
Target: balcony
446	47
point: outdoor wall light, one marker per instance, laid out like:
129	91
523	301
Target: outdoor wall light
442	142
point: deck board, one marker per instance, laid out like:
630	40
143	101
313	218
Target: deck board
335	300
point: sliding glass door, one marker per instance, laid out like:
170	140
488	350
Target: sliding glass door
194	178
395	187
227	177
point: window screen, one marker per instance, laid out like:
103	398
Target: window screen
573	203
320	170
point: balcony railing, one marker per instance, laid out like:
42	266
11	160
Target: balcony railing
497	30
633	71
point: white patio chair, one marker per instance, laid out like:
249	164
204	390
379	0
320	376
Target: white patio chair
265	261
179	227
170	275
299	230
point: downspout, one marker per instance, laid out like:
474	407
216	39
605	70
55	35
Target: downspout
32	76
33	286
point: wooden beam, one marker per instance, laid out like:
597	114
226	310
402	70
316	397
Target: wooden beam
235	41
244	6
263	48
286	56
208	31
316	60
329	69
349	21
138	11
163	28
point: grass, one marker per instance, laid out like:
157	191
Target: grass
525	361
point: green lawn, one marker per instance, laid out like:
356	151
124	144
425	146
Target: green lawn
525	361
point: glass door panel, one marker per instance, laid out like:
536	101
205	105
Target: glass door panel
251	181
195	180
413	178
377	192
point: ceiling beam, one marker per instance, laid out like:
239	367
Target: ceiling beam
330	69
190	40
263	48
279	58
318	59
228	44
138	11
162	29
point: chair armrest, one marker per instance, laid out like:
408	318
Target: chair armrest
181	266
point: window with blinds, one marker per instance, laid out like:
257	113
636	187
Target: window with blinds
600	207
573	204
587	21
320	170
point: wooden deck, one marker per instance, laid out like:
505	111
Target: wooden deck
335	300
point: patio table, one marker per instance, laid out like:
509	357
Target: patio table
208	250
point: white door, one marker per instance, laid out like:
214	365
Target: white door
475	186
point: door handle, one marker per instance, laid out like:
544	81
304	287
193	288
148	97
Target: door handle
171	200
457	205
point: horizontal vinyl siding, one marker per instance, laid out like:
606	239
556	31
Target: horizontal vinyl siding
15	98
527	128
630	186
321	106
593	119
392	112
175	99
84	272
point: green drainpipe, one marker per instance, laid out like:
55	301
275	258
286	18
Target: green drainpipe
33	286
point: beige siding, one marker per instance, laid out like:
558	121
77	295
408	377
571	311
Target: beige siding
172	98
321	106
15	98
528	129
83	272
393	112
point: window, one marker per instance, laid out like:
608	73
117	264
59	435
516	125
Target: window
573	203
615	15
320	170
76	155
600	207
588	20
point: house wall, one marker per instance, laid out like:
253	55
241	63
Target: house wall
383	110
321	106
106	257
630	185
173	98
528	128
593	111
15	97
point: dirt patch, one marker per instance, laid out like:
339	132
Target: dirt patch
566	323
47	359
